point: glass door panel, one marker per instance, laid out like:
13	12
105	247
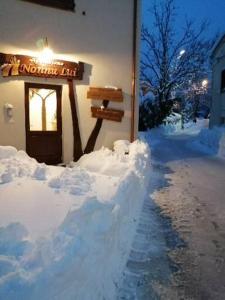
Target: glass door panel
42	109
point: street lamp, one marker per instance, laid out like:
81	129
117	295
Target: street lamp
182	52
205	83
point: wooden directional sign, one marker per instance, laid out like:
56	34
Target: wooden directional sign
22	65
105	94
107	113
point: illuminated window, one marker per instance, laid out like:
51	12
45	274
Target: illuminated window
43	109
223	81
63	4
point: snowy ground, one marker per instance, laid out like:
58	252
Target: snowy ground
91	232
66	233
190	191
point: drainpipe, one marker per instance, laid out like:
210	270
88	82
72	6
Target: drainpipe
134	67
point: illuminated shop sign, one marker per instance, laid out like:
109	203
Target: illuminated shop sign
22	65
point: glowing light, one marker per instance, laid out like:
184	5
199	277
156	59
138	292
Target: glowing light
182	52
205	83
46	56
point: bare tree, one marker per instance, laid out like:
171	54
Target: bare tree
172	60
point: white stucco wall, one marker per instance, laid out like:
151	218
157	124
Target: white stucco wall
218	98
102	39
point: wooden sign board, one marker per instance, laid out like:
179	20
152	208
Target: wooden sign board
22	65
105	94
107	114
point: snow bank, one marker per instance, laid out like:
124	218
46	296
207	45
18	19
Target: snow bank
191	128
15	164
171	128
173	118
83	257
104	162
7	151
212	141
121	146
75	180
221	152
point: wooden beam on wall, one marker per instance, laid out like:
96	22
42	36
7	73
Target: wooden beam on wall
134	70
95	132
77	145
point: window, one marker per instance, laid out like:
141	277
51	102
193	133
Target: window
222	121
223	81
42	109
63	4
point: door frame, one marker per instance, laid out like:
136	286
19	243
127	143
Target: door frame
58	89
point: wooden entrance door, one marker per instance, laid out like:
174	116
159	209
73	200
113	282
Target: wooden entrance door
43	121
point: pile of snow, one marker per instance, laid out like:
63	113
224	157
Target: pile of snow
156	135
173	118
121	146
104	162
75	180
66	233
171	124
190	128
15	164
7	151
212	141
221	152
171	128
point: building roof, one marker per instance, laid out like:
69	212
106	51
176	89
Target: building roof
218	44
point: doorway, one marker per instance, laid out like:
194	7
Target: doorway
43	121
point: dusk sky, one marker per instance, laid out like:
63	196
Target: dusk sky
212	10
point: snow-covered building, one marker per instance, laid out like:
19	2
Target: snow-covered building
218	84
69	77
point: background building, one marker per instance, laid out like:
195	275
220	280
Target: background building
218	84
